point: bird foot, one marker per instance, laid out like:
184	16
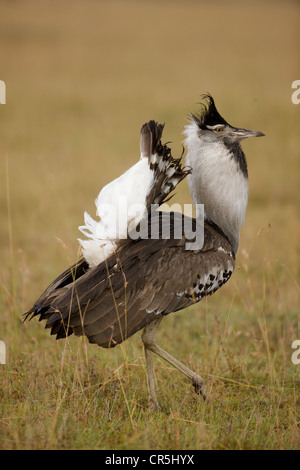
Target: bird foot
198	384
153	405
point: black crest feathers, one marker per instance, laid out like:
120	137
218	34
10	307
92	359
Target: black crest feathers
209	115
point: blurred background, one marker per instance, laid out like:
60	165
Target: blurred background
83	76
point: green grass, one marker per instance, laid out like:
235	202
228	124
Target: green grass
80	83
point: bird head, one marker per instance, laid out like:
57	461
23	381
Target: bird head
214	129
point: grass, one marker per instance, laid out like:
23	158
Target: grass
79	86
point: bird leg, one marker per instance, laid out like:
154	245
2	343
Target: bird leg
150	346
153	401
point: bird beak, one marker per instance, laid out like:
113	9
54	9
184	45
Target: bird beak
245	133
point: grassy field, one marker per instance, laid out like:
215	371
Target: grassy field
81	79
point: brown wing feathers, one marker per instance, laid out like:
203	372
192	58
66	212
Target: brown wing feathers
146	278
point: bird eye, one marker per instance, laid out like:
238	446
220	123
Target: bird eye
219	129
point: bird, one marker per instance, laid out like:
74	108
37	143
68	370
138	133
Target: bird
130	275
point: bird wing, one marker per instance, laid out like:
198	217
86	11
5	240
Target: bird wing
125	201
146	278
149	274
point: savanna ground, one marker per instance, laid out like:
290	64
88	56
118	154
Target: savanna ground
81	79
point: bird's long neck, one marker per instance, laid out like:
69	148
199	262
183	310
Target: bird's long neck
219	181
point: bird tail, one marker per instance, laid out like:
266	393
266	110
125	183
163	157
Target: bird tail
43	307
168	171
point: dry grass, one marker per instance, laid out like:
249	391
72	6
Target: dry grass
81	80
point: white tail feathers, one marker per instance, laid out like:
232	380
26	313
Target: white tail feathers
124	202
119	203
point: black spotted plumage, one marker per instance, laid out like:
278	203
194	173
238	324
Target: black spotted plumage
145	278
168	171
